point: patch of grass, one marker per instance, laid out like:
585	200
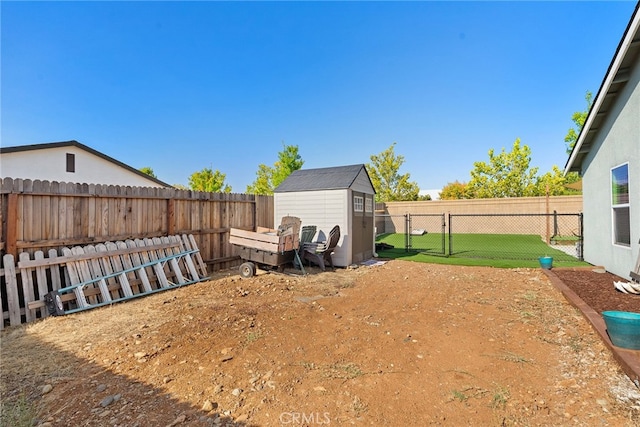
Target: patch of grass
345	371
468	393
346	285
459	395
575	343
18	413
512	357
491	250
254	335
527	314
500	397
309	366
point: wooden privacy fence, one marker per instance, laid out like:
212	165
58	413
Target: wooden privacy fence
42	218
81	278
43	215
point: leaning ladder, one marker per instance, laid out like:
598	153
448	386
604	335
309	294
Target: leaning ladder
55	305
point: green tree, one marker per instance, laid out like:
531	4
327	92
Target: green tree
269	177
578	118
555	183
210	181
147	170
507	174
453	191
390	185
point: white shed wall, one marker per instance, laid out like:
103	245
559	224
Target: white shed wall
324	209
618	142
50	164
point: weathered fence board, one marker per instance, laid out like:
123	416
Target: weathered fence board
92	276
39	215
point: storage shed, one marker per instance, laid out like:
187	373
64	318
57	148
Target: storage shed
325	197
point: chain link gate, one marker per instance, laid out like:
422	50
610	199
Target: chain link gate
411	233
426	233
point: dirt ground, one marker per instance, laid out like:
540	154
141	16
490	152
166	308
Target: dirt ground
399	344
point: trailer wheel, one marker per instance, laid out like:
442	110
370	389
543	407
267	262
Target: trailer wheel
247	270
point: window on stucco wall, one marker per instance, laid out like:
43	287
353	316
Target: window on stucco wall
620	205
71	162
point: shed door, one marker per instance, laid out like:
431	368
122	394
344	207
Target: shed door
362	233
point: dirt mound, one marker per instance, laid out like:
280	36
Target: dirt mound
398	344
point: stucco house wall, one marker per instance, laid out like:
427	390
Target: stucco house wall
609	139
617	142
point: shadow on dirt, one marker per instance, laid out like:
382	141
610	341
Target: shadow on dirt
53	393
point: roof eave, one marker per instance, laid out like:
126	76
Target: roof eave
77	144
574	164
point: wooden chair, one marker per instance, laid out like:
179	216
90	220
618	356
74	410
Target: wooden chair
320	252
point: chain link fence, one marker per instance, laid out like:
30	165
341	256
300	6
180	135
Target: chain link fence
411	233
516	236
491	236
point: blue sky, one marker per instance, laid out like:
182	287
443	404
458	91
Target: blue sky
181	86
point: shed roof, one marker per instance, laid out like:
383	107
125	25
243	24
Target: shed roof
626	57
332	178
74	143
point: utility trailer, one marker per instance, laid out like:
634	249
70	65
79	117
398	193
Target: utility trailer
267	248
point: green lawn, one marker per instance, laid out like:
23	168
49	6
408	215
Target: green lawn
496	250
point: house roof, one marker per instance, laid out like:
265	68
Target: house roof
332	178
73	143
625	58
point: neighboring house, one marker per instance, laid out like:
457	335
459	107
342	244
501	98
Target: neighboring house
326	197
70	161
607	155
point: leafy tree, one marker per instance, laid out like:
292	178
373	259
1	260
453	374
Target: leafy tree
555	183
147	170
268	178
389	184
505	175
578	118
210	181
454	190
